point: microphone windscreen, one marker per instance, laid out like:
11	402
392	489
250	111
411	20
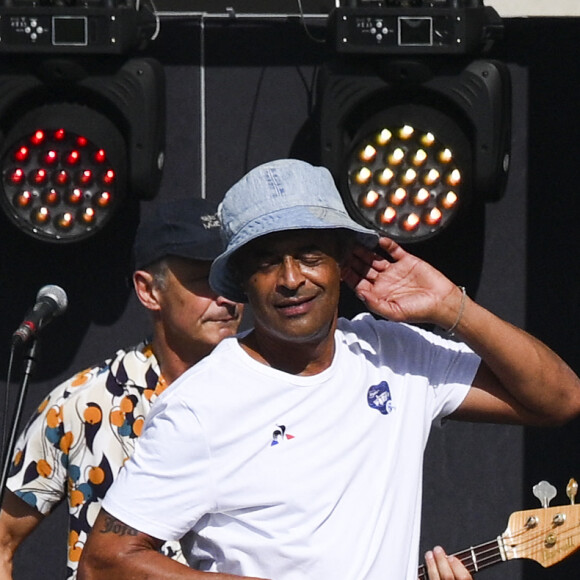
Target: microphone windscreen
57	294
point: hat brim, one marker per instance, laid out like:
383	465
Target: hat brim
222	278
205	251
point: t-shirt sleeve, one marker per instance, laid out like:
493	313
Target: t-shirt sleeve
37	473
453	366
445	366
166	485
450	395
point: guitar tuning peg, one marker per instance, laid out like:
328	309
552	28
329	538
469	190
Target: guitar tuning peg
545	492
572	490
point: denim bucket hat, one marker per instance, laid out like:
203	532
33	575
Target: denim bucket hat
286	194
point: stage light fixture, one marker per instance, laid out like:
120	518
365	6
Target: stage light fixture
411	142
414	26
75	144
406	172
76	26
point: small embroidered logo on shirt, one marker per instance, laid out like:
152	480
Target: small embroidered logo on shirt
280	435
379	397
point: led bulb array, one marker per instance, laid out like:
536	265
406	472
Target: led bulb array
404	181
58	183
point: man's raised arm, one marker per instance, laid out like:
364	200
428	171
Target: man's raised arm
520	379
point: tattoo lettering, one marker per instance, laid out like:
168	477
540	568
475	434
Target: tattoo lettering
114	526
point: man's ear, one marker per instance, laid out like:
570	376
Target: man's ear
145	289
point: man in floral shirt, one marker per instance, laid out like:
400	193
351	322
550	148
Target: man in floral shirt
85	429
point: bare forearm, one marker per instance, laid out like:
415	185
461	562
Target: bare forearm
544	387
7	549
17	521
141	564
5	566
116	551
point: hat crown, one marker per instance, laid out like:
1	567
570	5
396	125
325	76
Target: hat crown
279	186
186	227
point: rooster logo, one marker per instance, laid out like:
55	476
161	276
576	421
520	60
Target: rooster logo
280	435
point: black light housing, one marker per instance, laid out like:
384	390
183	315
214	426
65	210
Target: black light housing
77	137
76	26
410	140
427	27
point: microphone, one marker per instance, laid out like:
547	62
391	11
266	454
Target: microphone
51	301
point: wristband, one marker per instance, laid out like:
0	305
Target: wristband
460	313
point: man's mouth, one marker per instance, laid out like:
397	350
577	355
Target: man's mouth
227	316
225	320
296	306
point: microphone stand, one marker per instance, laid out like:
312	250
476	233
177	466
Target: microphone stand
29	366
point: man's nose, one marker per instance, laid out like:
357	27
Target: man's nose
231	306
291	275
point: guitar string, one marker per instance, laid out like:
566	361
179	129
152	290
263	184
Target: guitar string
562	537
484	556
466	558
562	534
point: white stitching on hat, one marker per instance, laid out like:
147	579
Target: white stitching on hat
274	180
210	221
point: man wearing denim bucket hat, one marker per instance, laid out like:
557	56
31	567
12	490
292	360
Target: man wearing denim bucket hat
294	451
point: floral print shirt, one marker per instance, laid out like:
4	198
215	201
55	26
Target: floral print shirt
79	438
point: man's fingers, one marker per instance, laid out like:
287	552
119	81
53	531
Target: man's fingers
440	566
431	566
459	570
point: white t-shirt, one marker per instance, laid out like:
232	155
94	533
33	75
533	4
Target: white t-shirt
291	477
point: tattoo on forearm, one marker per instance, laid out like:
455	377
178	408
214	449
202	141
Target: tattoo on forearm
114	526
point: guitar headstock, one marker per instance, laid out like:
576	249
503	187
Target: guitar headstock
547	534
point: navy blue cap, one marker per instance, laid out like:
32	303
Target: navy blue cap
185	227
